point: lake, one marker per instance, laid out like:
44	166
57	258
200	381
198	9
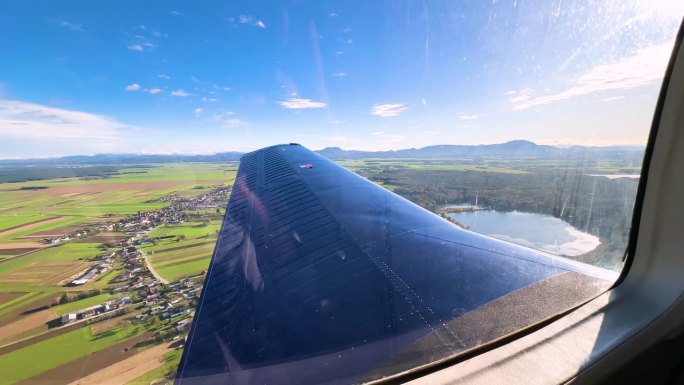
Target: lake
538	231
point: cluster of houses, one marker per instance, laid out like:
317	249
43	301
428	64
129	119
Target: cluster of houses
92	311
173	301
143	222
91	273
155	299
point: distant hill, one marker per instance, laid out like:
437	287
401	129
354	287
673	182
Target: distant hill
514	148
102	159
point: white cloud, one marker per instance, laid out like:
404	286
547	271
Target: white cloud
211	100
198	111
249	20
465	116
611	98
299	104
388	110
339	74
71	26
41	122
136	47
519	96
133	87
165	76
179	92
153	91
233	123
176	13
643	68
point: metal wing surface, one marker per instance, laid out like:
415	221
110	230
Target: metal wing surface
321	276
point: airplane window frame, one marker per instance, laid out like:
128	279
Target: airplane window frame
646	299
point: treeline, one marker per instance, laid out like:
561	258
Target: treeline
30	173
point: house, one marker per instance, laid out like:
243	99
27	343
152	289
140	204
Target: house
183	325
69	318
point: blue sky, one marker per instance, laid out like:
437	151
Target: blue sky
85	77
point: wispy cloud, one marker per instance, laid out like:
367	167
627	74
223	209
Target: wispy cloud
519	96
154	91
300	104
643	68
611	98
179	92
339	74
388	110
233	123
71	26
165	76
43	122
133	87
176	13
136	47
249	20
198	111
465	116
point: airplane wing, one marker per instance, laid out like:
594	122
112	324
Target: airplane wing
321	276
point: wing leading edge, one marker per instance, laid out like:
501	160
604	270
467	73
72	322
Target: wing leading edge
321	276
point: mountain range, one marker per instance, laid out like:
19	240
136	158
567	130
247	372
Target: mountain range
515	149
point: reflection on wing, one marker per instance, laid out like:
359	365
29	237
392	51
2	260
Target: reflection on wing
321	276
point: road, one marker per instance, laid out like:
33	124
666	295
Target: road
151	269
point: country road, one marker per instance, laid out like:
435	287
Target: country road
149	267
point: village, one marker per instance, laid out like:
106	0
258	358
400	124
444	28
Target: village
137	289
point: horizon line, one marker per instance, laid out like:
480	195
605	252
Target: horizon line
143	153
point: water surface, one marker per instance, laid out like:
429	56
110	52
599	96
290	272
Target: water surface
538	231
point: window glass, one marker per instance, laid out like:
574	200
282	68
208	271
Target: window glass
522	124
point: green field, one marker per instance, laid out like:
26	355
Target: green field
173	258
37	358
171	361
